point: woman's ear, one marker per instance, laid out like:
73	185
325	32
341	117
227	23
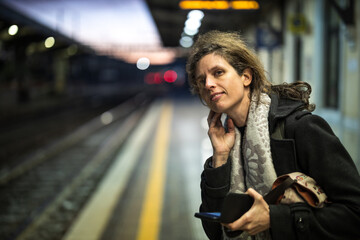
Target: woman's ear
247	74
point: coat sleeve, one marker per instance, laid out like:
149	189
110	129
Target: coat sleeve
321	155
215	184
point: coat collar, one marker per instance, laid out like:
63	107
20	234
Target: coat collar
281	108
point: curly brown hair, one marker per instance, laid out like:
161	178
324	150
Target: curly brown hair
234	50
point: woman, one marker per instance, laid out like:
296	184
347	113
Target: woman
230	79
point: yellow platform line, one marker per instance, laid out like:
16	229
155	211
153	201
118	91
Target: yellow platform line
150	218
92	221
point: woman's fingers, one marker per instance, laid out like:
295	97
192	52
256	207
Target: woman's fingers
210	116
256	220
214	119
230	125
254	194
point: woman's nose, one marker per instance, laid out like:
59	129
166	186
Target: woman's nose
209	82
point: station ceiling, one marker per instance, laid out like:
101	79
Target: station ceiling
32	31
170	18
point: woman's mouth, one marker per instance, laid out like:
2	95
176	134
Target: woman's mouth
216	96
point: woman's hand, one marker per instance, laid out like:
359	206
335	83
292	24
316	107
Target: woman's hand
221	141
256	220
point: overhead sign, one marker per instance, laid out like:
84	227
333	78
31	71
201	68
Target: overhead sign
220	5
297	23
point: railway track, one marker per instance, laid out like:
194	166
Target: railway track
27	131
40	197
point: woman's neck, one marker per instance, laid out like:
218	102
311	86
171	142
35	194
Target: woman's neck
239	115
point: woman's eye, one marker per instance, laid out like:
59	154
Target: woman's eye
218	72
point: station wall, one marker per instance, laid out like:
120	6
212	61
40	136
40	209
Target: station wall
318	47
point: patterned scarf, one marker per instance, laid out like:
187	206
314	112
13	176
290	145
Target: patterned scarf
257	171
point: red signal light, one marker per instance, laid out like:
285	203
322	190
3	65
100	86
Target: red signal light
170	76
153	78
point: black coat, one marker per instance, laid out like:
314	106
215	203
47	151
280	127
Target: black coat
311	147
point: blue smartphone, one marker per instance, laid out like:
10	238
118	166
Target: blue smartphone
209	216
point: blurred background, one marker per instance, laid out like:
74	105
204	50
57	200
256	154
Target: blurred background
64	63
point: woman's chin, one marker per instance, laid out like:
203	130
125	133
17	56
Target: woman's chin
217	108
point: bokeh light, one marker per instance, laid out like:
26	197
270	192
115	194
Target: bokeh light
49	42
193	23
190	32
196	14
170	76
72	50
106	118
13	30
153	78
143	63
186	41
191	28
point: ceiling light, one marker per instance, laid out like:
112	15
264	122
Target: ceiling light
13	29
197	14
220	5
143	63
192	23
186	42
190	32
49	42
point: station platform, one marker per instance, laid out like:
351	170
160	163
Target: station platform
152	189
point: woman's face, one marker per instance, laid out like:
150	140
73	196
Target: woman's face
219	84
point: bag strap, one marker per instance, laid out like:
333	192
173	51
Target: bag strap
272	196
